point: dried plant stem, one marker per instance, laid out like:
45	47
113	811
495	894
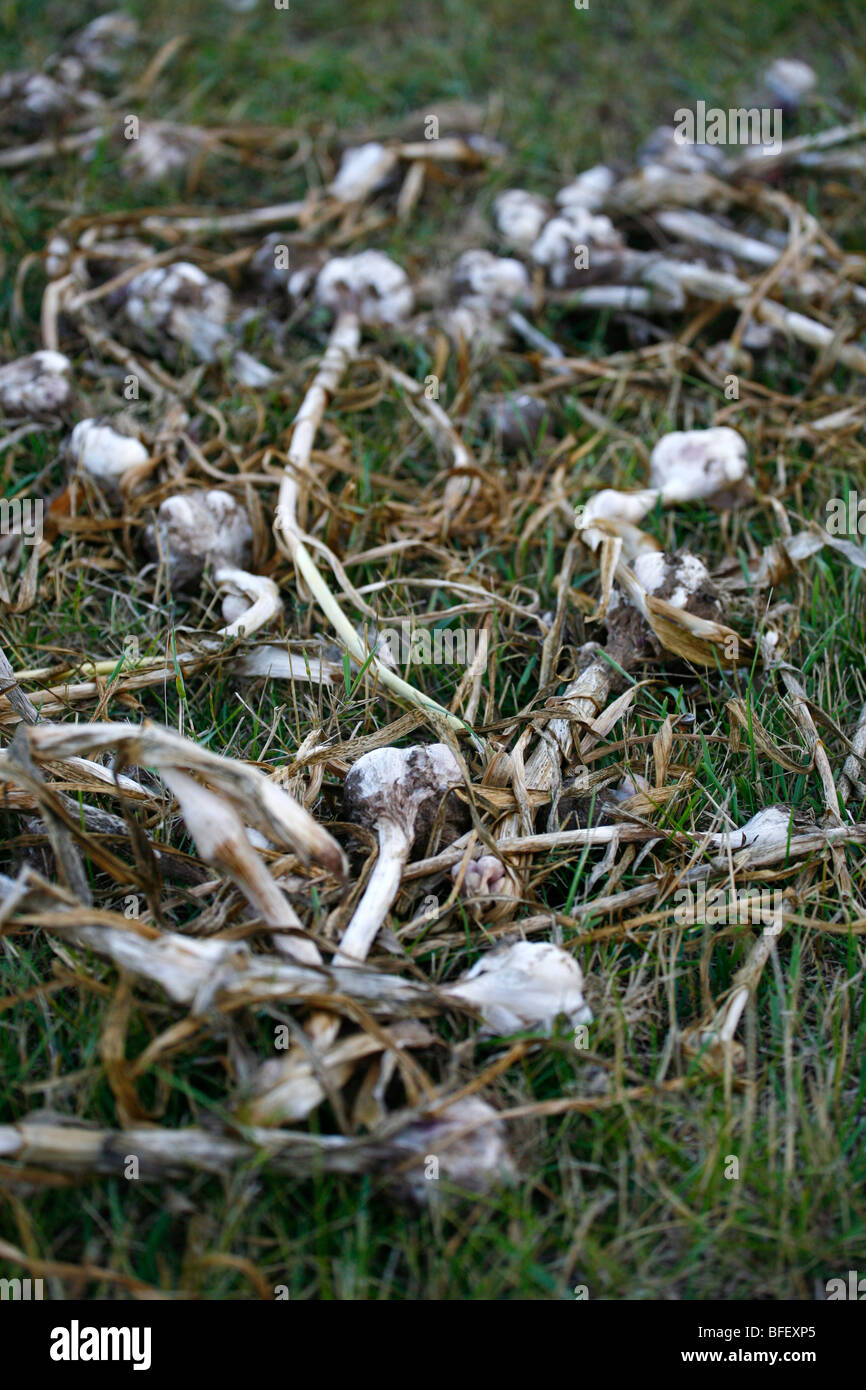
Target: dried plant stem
41	150
438	426
342	348
382	888
852	772
10	687
583	699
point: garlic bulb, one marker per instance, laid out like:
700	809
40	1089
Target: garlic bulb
520	216
160	151
789	82
525	986
398	792
30	100
578	247
105	455
484	877
183	302
588	190
280	264
689	465
471	1162
370	285
194	529
100	43
662	151
35	385
681	579
498	281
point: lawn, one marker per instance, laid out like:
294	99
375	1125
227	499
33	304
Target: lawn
642	1173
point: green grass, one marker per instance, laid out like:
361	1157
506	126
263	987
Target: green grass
628	1199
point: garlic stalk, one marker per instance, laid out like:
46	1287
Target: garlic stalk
220	838
367	288
397	792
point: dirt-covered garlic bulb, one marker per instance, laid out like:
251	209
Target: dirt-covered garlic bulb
485	290
195	529
31	102
160	151
499	282
789	83
467	1142
283	265
182	302
682	580
369	286
35	385
101	44
398	793
589	190
663	151
578	247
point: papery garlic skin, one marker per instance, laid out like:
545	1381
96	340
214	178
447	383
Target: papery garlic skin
766	830
525	986
362	171
105	454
